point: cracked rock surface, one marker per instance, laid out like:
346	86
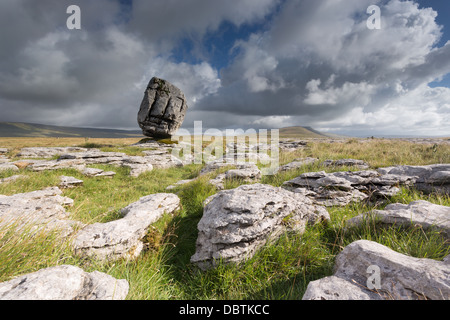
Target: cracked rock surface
122	238
237	222
401	277
64	282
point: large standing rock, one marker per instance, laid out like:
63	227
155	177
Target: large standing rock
238	222
401	277
64	283
162	110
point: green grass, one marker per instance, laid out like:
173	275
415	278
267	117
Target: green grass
280	270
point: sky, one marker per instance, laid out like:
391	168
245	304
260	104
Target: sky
241	63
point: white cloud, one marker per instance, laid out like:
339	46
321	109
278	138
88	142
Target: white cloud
320	65
422	111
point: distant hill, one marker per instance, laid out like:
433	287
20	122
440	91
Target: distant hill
20	129
304	133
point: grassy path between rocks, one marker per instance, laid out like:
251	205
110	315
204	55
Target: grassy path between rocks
281	270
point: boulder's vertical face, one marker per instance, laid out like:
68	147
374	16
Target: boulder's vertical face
162	110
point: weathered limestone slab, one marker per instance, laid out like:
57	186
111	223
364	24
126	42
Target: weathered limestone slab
48	152
423	213
401	277
69	182
64	282
347	163
38	210
237	222
8	166
297	163
122	238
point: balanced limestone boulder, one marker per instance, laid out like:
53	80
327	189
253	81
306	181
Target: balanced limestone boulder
400	277
64	282
237	222
162	110
122	238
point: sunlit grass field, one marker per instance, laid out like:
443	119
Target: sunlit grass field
281	270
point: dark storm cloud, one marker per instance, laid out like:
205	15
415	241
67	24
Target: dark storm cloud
315	64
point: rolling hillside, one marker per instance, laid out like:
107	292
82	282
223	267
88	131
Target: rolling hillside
304	133
19	129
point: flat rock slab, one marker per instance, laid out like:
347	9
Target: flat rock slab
69	182
347	163
4	166
423	213
13	178
342	188
38	210
297	163
237	222
93	172
48	152
64	282
431	178
122	238
400	277
79	161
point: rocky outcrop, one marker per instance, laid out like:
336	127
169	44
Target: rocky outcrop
162	110
290	146
44	211
13	178
423	213
5	166
79	161
122	238
366	270
341	188
431	178
346	163
38	210
47	152
246	173
296	164
94	172
64	282
237	222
